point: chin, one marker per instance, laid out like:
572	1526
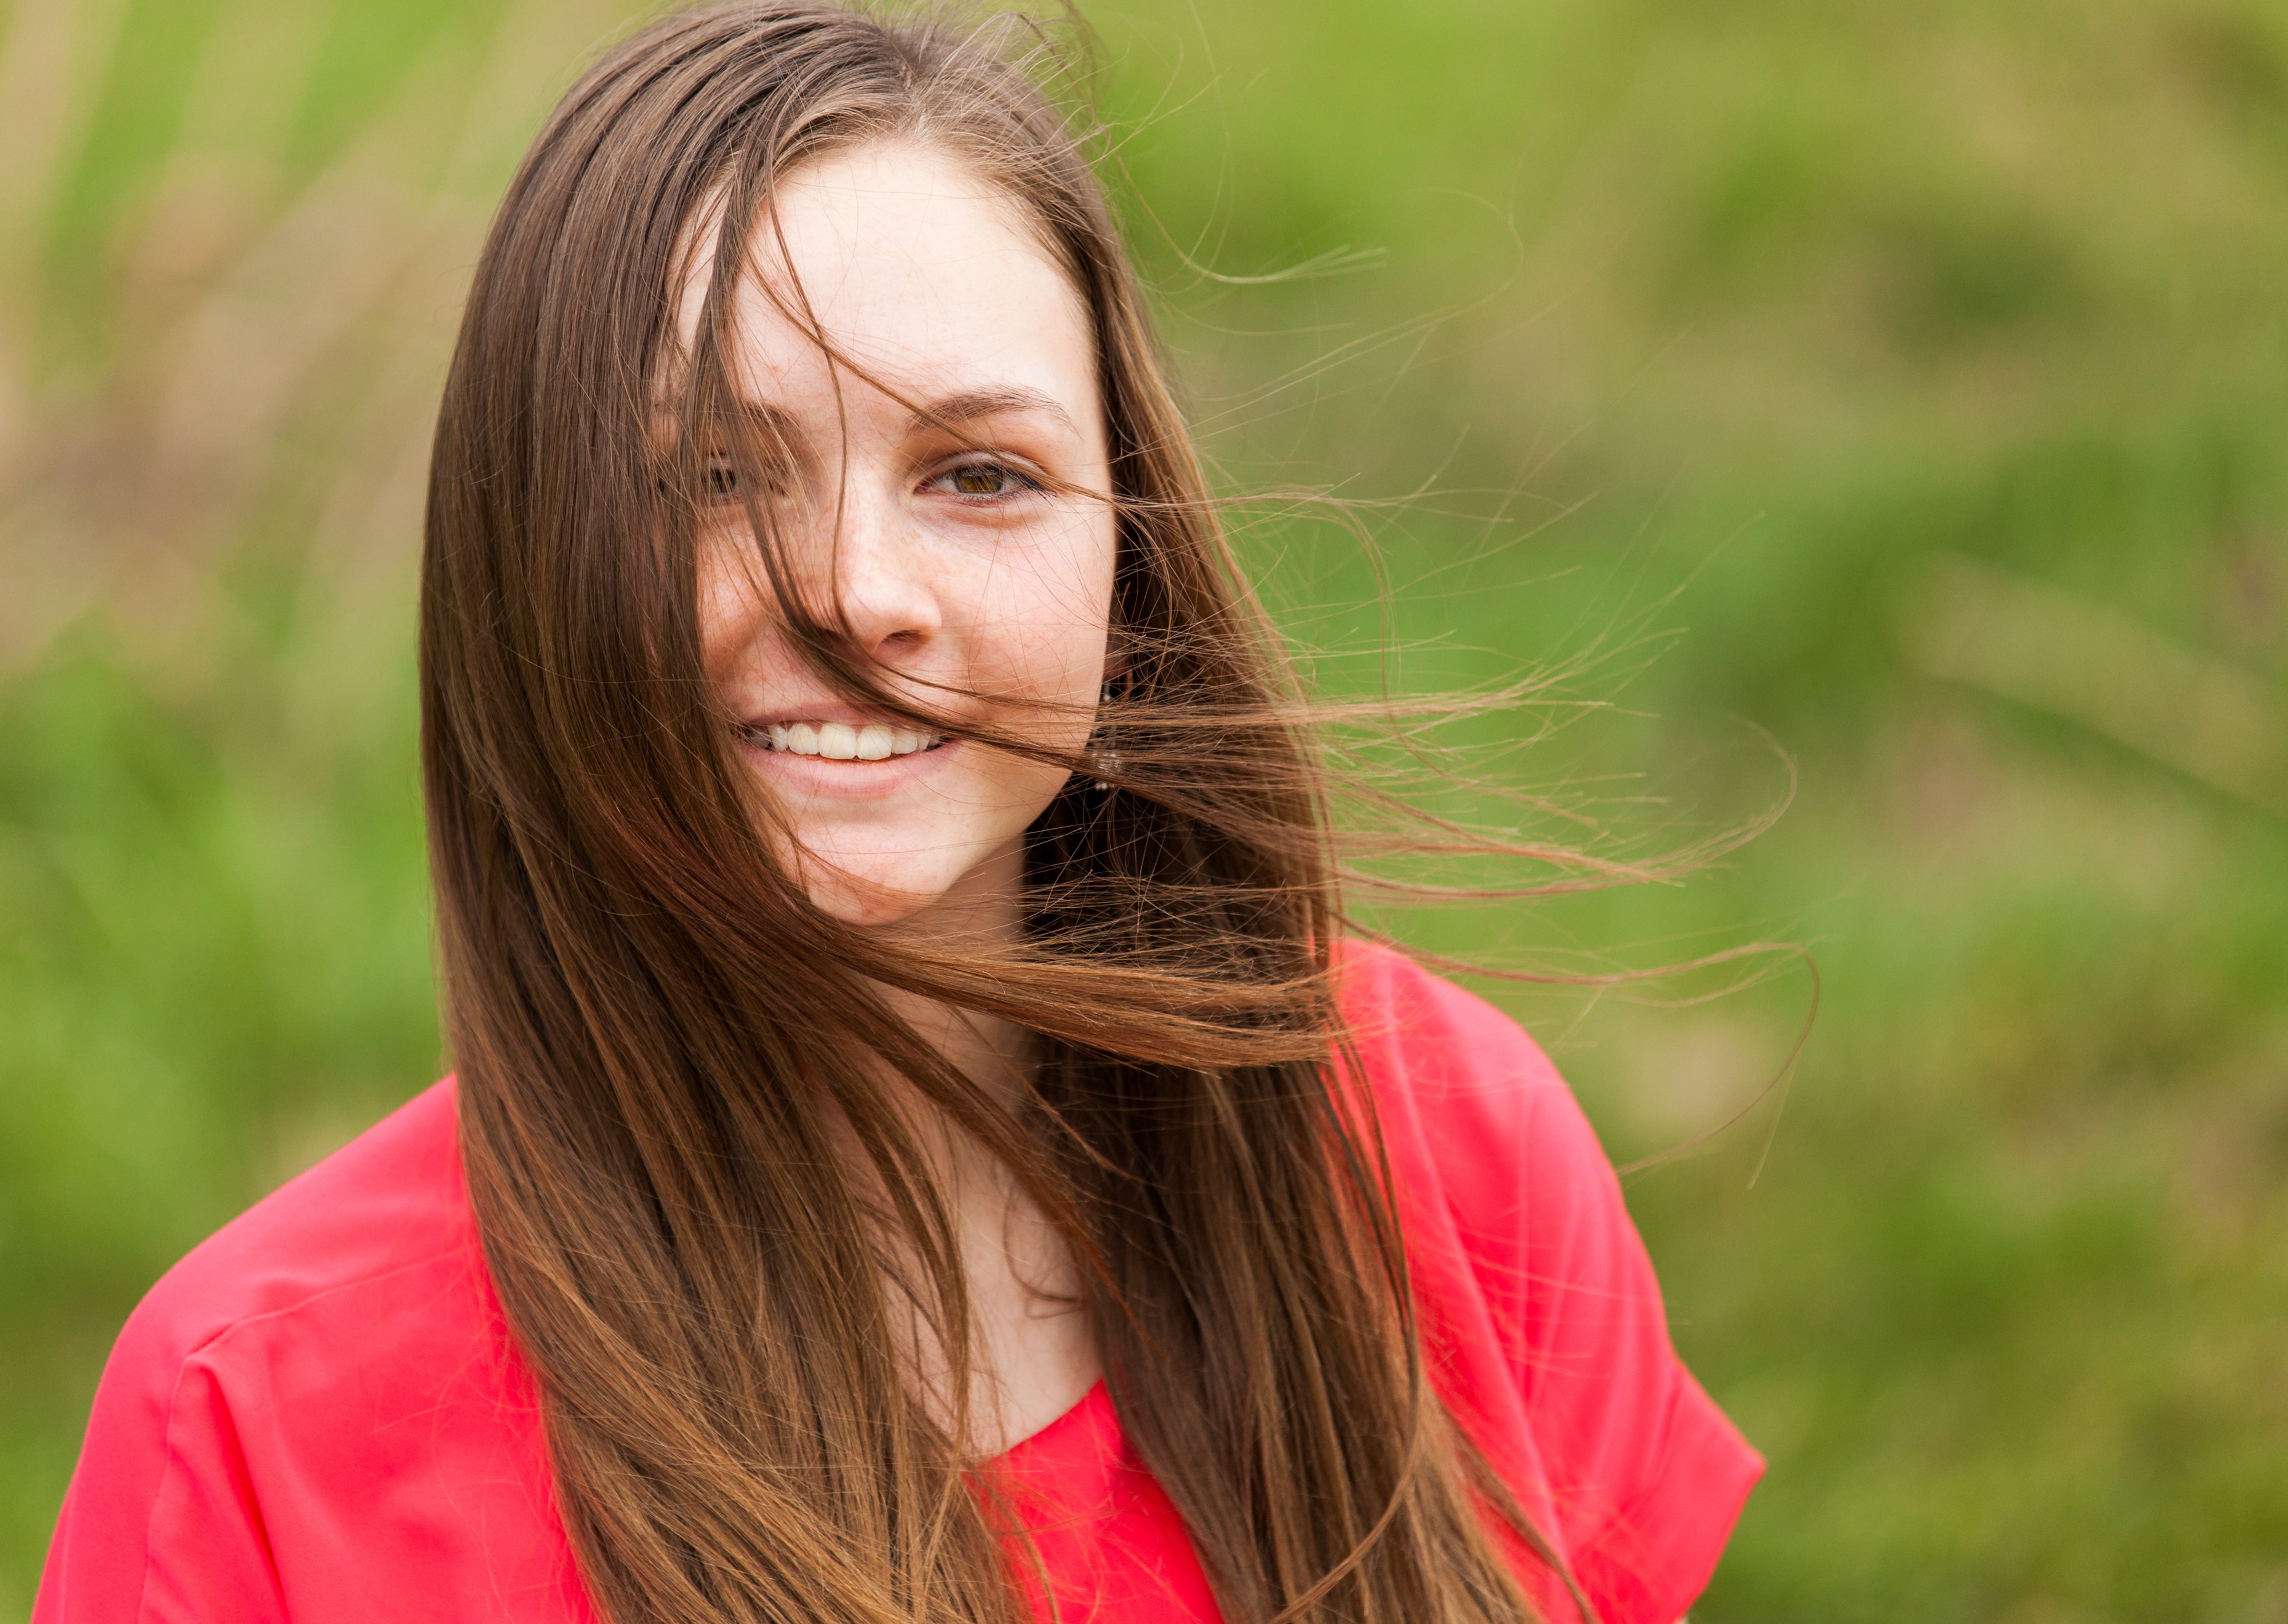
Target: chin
959	890
874	899
868	912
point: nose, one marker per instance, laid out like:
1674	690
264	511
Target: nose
879	576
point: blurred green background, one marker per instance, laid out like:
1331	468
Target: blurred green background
1896	392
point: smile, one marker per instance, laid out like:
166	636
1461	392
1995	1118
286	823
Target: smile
839	741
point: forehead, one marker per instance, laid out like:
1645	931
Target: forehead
917	270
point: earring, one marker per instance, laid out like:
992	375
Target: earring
1103	744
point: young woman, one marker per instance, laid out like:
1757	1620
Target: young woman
922	1148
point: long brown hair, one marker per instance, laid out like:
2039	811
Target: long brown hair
660	1039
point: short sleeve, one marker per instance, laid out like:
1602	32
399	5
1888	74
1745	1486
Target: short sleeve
319	1414
160	1522
1647	1474
1540	1306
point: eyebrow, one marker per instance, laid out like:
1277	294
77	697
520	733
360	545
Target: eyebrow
772	424
779	427
971	404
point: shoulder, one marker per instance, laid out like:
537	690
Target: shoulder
367	1262
310	1383
1510	1204
1456	1079
1494	1161
1540	1312
1444	1044
390	1204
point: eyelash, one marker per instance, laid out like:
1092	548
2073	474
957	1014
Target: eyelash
723	480
1022	484
723	483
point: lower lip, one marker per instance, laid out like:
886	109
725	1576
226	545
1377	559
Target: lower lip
851	780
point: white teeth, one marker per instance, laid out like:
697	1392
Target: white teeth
839	741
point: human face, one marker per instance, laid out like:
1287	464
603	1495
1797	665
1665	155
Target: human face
975	569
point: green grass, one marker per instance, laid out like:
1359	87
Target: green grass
1759	355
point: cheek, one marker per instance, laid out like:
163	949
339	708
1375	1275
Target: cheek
730	607
1045	618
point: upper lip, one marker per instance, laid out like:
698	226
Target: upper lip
814	714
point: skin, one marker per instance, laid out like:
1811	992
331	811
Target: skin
978	562
932	284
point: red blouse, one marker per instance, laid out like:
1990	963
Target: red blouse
318	1415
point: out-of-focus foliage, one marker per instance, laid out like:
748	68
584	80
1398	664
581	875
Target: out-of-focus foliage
1908	382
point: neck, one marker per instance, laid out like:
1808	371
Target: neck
1033	1353
981	914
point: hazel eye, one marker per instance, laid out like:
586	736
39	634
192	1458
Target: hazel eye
721	483
983	479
